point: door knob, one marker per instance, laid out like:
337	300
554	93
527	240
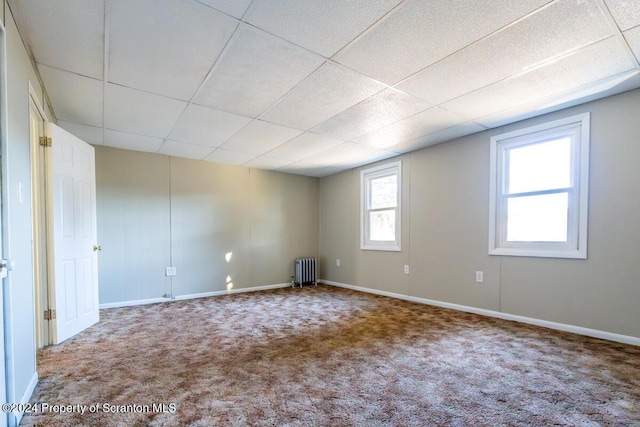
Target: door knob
97	248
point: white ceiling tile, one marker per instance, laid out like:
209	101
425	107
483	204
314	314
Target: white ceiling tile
269	163
551	32
422	32
633	38
303	146
625	12
380	110
68	35
259	137
142	113
369	157
235	8
343	153
328	91
255	70
302	168
75	98
183	149
424	123
591	91
164	46
312	169
206	126
600	60
89	134
329	170
229	157
130	141
434	138
323	26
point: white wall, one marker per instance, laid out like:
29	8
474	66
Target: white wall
445	231
18	291
156	211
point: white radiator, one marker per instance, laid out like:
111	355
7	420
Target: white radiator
306	271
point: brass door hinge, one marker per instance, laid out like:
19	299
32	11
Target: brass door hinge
49	314
45	142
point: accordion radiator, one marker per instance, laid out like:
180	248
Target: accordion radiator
305	271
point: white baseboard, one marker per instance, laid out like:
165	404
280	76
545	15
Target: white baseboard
625	339
133	302
26	396
232	291
191	296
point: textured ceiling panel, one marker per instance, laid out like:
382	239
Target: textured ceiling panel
413	127
130	141
187	78
165	47
303	146
183	149
91	134
65	34
558	29
328	91
342	153
603	59
206	126
594	90
266	163
625	12
371	114
142	113
303	168
369	157
76	98
260	137
255	71
229	157
425	31
235	8
438	137
323	26
633	38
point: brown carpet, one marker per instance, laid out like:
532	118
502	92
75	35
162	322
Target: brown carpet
325	356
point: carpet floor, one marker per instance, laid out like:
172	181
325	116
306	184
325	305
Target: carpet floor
325	356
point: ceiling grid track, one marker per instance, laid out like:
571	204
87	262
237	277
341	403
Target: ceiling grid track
233	82
105	67
216	61
618	33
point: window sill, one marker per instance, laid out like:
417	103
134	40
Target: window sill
540	253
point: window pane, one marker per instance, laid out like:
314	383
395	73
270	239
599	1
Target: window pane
384	192
542	166
538	218
382	225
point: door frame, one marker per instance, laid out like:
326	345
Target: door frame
42	222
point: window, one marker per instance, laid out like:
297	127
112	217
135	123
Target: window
380	201
539	190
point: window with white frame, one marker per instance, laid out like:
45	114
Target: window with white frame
539	190
380	190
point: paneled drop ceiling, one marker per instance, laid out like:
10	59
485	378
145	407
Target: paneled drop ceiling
315	87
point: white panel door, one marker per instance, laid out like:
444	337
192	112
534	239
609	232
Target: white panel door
75	237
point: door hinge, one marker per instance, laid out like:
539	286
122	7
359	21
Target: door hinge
45	142
49	314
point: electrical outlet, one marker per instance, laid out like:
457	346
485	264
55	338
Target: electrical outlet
479	277
406	269
170	271
338	262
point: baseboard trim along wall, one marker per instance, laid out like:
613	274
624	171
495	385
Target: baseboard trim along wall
191	296
625	339
25	399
